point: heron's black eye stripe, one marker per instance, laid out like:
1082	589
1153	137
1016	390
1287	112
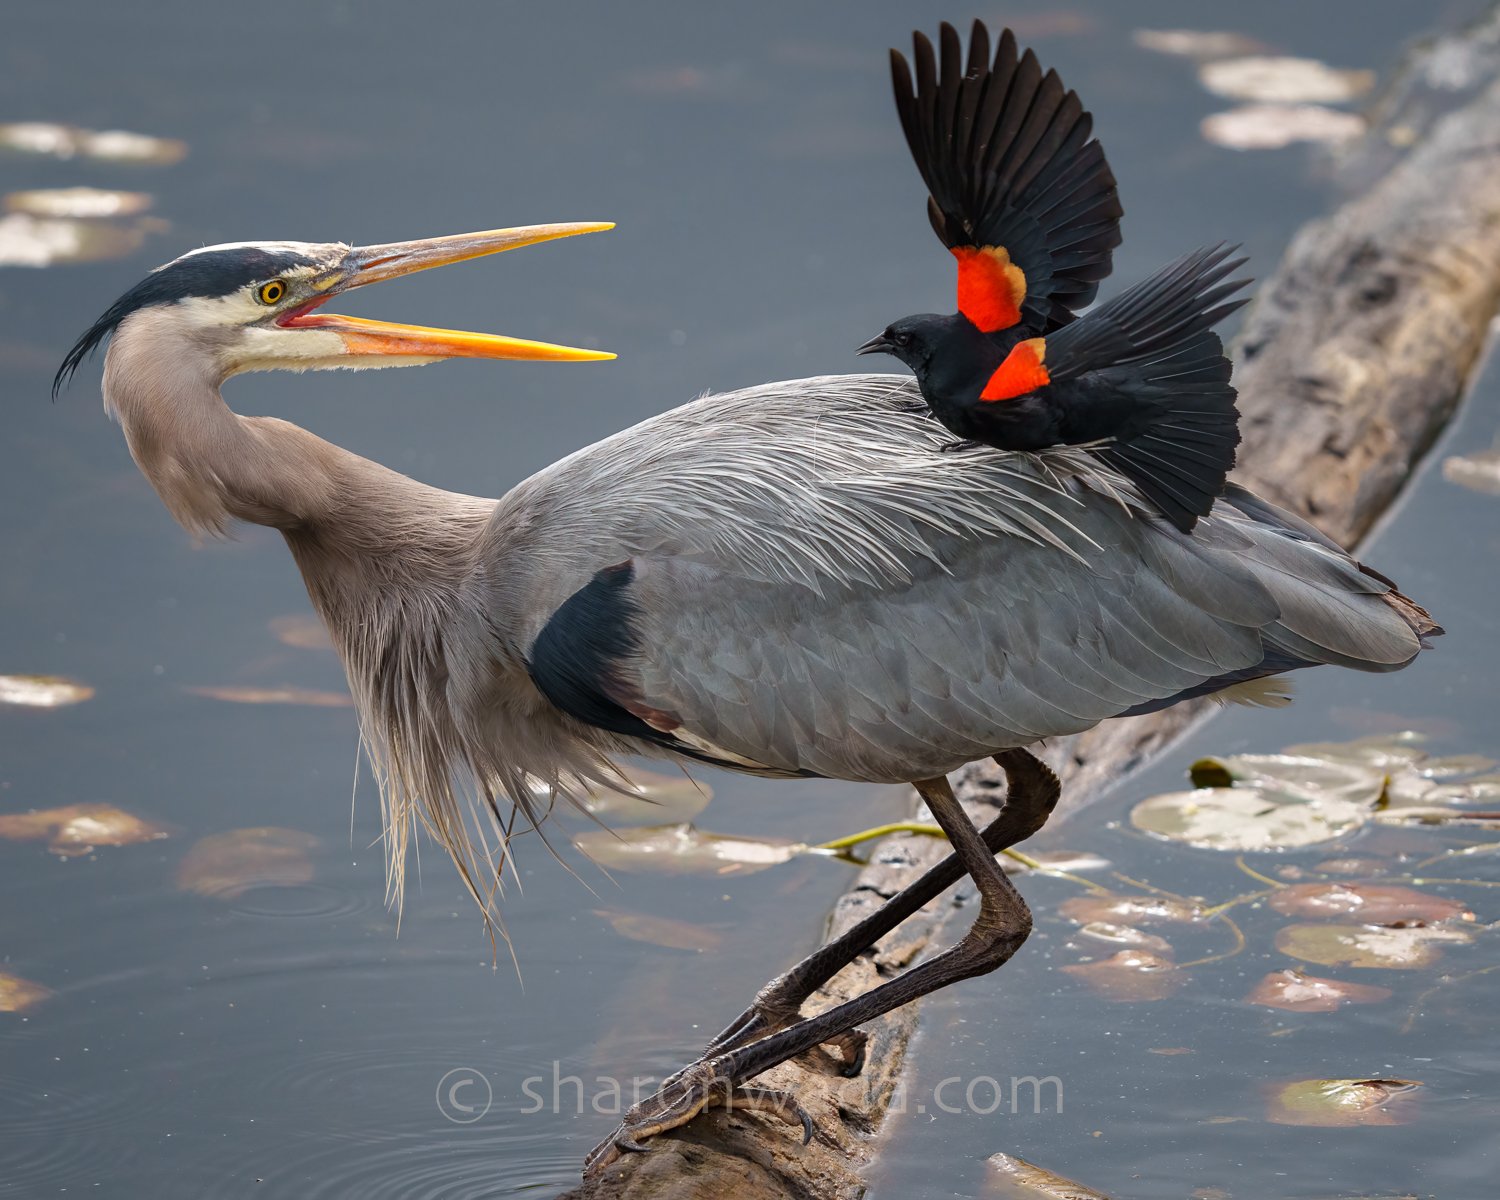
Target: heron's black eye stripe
271	293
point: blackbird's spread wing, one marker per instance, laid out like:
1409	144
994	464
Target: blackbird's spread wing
1019	192
1154	345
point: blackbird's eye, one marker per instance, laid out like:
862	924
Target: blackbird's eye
901	338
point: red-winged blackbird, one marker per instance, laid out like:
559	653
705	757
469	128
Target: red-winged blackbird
1024	199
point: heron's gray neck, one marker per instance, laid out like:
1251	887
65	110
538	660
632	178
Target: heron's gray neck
362	534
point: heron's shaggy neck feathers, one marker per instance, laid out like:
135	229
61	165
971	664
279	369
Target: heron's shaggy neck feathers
385	559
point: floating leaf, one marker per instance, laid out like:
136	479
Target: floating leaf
77	829
1390	777
1477	472
78	202
1385	751
661	931
1131	976
1297	992
1342	1102
1246	818
1371	903
1012	1178
656	797
1367	945
225	866
1126	935
277	695
1272	126
301	630
42	691
683	849
111	145
1129	910
1196	43
1277	79
1307	776
1071	861
27	241
17	994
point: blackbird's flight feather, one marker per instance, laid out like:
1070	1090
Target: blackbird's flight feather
1154	343
1018	190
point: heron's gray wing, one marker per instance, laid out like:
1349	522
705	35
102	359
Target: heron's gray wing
794	578
990	645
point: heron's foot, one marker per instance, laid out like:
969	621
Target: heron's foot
959	446
692	1090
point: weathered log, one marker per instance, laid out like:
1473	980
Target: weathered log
1354	356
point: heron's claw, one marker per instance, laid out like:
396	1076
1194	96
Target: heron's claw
688	1093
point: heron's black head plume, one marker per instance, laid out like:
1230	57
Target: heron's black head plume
217	271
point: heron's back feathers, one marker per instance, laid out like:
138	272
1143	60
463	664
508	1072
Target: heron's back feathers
844	600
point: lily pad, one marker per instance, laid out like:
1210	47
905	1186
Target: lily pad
1330	1103
77	829
1128	936
1241	819
29	241
1131	976
683	849
275	695
110	145
78	202
1012	1178
661	931
1305	775
1371	903
1129	910
17	994
42	691
1272	126
654	796
1367	945
1279	79
1201	44
1298	992
224	866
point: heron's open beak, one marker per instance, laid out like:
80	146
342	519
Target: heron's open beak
375	264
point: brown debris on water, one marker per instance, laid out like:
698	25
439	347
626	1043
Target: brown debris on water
78	829
1298	992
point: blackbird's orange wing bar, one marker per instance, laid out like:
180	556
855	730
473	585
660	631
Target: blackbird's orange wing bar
1019	191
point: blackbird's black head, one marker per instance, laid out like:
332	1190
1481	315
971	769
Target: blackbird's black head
914	340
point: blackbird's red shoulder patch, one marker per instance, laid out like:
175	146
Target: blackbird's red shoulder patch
990	287
1022	372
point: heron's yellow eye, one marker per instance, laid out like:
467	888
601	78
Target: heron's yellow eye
271	293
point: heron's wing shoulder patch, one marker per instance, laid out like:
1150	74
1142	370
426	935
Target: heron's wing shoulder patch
583	663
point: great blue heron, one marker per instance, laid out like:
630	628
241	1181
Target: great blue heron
789	580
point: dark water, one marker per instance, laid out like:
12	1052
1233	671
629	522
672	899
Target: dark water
289	1043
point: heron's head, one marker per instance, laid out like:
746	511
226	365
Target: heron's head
255	306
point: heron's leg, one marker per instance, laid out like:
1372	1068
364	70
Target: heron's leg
1030	794
1002	924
